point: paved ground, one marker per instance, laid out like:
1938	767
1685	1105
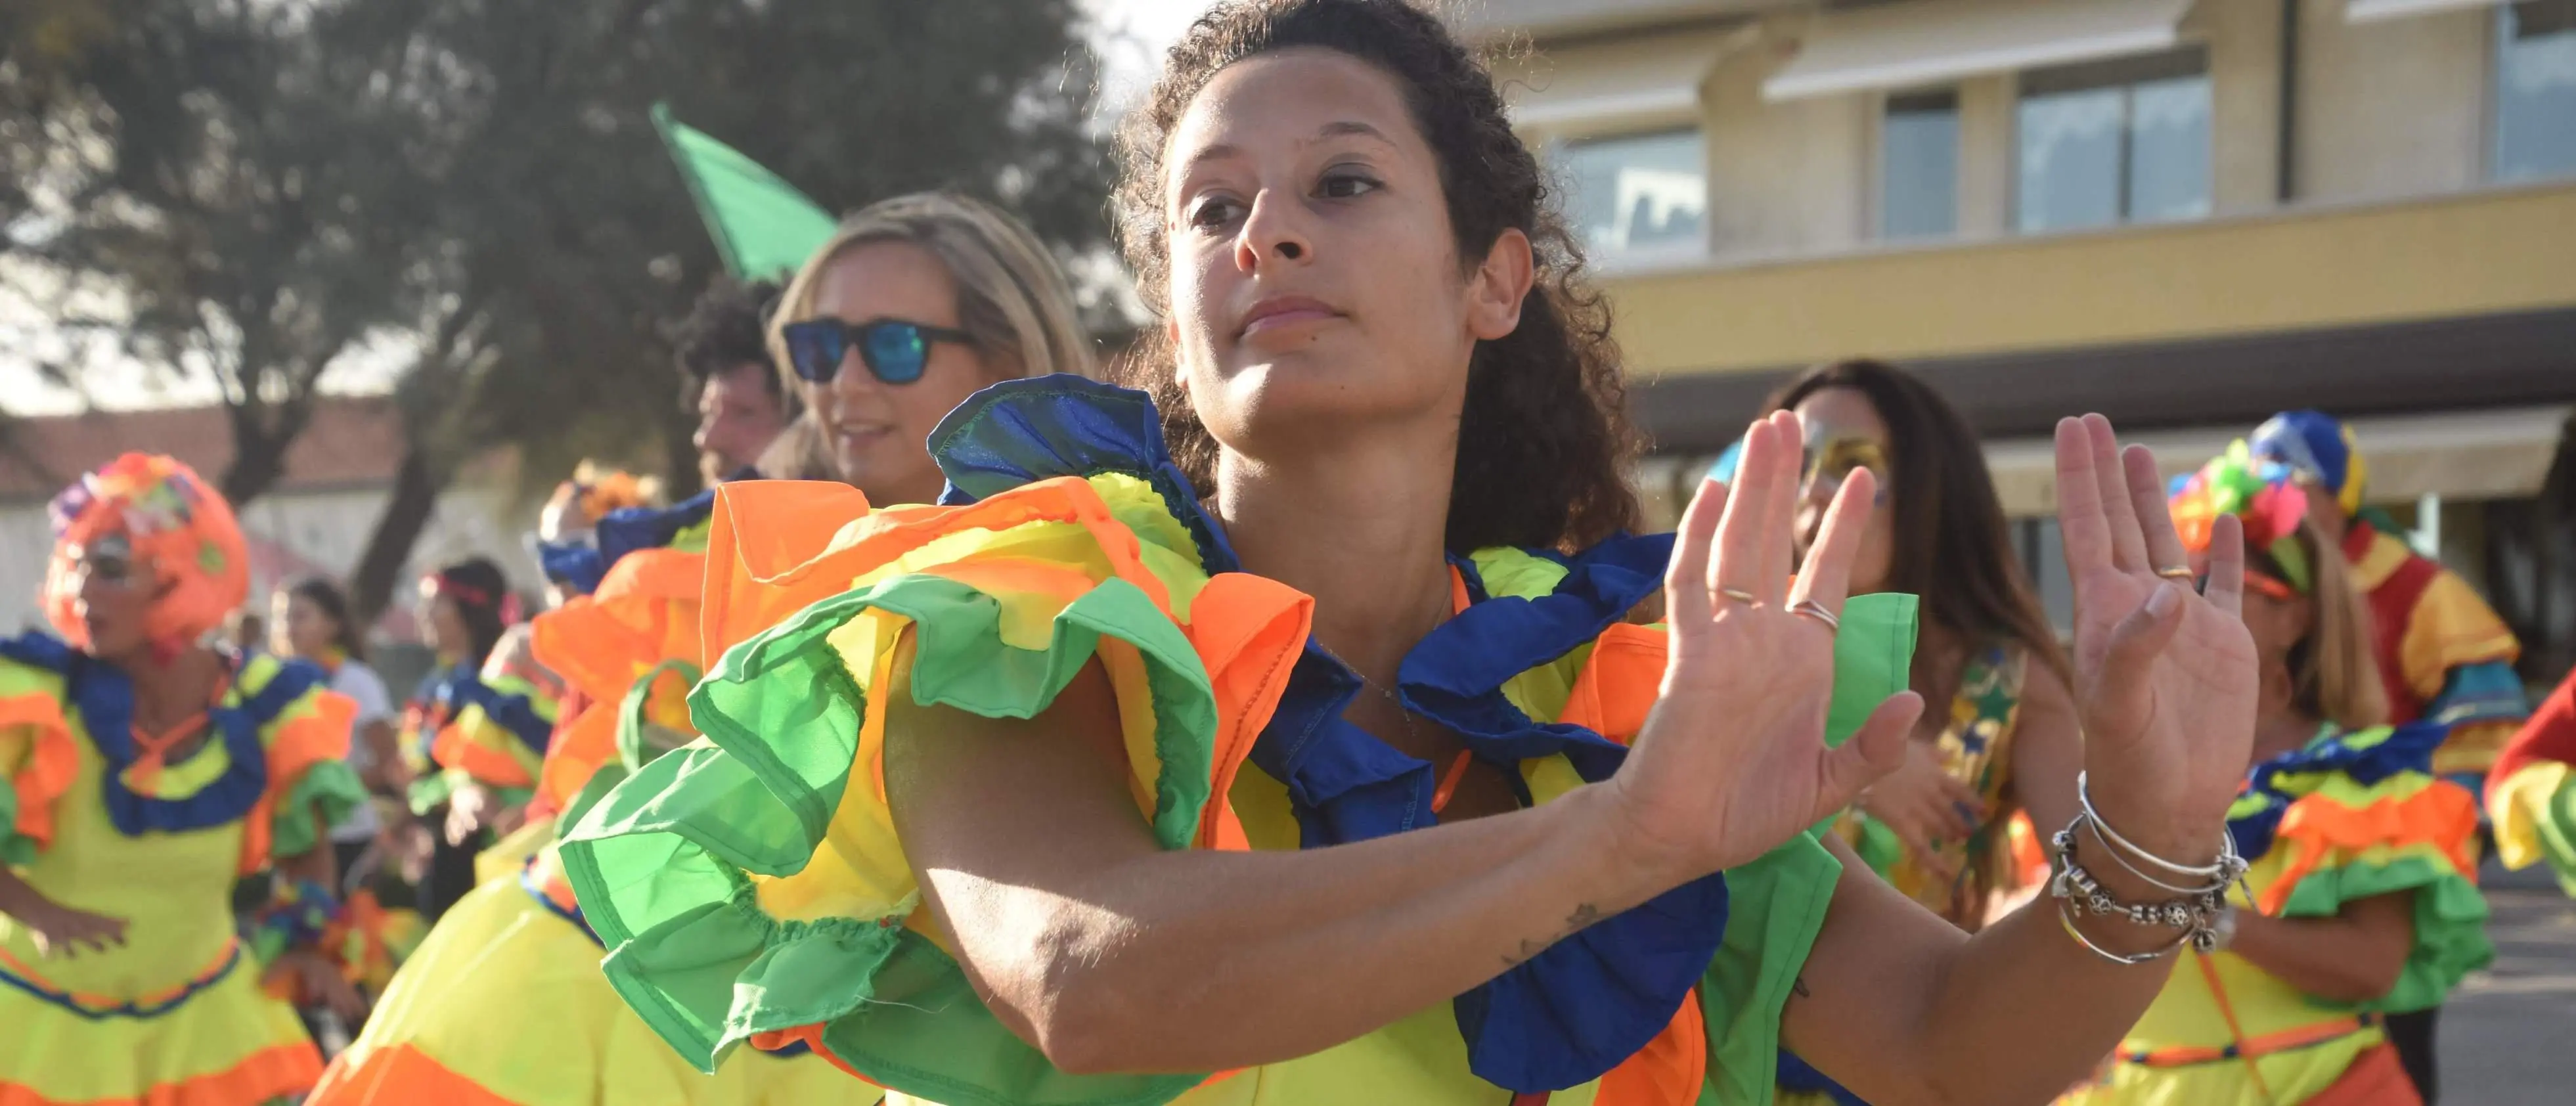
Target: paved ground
2508	1037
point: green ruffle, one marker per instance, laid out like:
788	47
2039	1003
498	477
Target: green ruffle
1775	906
2450	922
2557	831
17	850
330	787
658	862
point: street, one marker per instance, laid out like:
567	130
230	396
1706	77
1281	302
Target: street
2508	1037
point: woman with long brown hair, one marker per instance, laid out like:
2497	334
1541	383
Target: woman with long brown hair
1292	727
2004	738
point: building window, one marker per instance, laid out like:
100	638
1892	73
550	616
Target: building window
1638	193
1918	165
2535	95
2115	142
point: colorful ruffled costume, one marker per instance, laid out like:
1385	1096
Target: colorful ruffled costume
96	820
2531	795
505	1002
2348	816
2444	655
489	727
752	888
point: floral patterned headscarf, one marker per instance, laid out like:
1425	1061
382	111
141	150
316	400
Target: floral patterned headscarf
180	534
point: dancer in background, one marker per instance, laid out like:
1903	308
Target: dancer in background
2443	656
2362	901
2531	794
146	771
505	1002
464	609
312	624
915	303
2007	739
1350	780
739	397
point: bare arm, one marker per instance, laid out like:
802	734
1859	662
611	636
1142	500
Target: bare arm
1110	954
1906	1010
2354	956
386	772
2048	749
59	930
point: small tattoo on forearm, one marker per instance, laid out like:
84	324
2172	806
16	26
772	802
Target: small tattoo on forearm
1584	915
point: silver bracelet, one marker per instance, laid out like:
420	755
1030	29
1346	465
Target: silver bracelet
2209	871
2066	920
2113	852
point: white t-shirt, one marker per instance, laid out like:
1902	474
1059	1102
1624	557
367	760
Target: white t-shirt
360	683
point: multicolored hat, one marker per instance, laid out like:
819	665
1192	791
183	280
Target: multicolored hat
175	528
2262	496
2318	448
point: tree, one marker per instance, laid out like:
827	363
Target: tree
215	190
492	190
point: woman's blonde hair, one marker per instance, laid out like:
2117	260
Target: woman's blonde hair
1012	300
2334	671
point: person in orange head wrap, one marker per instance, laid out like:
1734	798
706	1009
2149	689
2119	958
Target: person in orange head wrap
146	771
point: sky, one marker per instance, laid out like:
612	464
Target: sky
1130	36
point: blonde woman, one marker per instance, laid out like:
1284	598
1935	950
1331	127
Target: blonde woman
916	303
2361	905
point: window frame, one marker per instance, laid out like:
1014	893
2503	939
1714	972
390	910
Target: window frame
2190	59
1552	145
1875	202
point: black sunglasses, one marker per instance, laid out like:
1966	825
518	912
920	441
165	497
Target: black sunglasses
894	349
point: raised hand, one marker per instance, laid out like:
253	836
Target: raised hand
1733	760
2164	678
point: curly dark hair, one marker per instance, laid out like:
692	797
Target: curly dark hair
725	329
1544	441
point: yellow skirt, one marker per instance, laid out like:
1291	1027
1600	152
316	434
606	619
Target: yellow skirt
504	1003
219	1041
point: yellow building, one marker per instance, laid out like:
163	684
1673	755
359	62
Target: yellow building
2185	214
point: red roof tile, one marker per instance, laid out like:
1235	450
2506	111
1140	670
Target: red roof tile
353	441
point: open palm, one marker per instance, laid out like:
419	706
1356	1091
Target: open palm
2165	679
1733	759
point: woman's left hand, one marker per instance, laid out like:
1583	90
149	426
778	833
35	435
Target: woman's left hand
2164	678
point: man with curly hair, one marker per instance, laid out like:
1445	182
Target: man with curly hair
741	404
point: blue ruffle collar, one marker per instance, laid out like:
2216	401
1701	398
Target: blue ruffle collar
104	696
1557	1020
580	565
2257	814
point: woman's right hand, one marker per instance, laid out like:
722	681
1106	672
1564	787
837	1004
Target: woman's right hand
1733	761
61	931
1925	807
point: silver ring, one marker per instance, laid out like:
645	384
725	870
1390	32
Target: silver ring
1817	611
1740	595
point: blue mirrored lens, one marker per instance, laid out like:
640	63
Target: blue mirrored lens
896	352
816	350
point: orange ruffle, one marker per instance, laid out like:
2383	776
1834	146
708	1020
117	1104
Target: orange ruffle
2315	828
314	731
1671	1069
398	1075
266	1075
579	749
1619	683
50	763
489	766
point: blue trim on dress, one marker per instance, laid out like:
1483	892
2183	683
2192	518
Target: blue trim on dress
104	696
2408	748
232	959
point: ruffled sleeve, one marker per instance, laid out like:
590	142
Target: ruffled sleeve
752	888
643	613
504	721
2531	795
2356	826
37	756
310	784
